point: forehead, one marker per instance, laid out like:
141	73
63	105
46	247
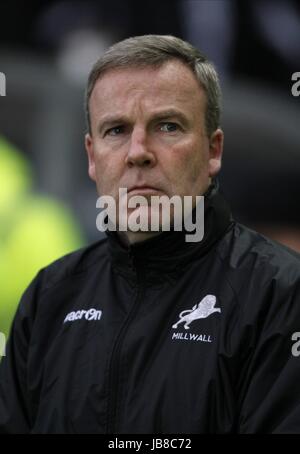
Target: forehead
172	84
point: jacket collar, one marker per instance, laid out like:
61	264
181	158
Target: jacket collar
168	253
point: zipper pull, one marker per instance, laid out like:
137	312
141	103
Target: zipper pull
131	259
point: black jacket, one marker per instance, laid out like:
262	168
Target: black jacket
161	337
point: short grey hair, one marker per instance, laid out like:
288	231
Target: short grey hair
153	51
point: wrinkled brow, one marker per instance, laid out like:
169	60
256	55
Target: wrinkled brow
112	120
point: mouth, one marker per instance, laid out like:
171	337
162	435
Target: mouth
143	190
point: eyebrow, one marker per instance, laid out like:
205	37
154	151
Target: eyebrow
110	120
170	113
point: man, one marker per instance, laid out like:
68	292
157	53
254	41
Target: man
145	332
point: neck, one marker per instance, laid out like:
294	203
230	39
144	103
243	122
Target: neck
128	238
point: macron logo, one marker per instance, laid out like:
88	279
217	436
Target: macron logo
89	315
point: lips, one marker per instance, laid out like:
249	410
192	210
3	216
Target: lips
143	189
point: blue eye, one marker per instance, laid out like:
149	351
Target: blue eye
169	127
115	131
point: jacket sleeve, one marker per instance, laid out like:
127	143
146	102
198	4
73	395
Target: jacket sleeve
269	398
15	414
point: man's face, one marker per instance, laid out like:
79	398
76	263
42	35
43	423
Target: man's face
148	133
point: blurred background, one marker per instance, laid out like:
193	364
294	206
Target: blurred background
47	202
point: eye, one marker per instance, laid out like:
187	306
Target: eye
115	131
169	127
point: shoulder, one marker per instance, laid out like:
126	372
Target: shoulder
262	274
264	278
55	287
73	264
246	250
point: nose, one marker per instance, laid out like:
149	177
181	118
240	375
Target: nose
140	153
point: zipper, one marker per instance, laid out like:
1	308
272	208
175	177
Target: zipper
113	393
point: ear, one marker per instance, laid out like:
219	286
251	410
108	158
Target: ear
89	146
215	152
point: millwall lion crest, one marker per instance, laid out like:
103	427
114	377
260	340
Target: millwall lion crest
203	309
